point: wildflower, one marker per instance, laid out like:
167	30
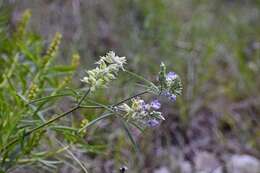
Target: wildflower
141	113
153	123
138	104
111	58
156	104
170	96
107	70
170	84
171	76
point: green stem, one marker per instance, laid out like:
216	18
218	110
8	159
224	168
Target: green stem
139	77
47	98
101	105
129	98
84	96
92	107
39	127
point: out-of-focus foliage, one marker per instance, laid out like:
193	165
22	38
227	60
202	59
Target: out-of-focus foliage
27	73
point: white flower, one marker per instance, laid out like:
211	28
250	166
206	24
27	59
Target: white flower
111	58
107	69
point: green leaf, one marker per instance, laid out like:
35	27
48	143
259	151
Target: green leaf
62	68
137	126
48	98
63	128
94	148
130	136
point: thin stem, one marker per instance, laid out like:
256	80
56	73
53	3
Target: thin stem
101	105
129	98
46	98
51	121
40	126
91	107
139	77
83	98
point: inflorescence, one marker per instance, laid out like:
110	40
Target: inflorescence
141	113
169	84
107	70
138	112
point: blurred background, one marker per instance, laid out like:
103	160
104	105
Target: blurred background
214	127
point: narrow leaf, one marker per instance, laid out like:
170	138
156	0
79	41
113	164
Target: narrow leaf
130	136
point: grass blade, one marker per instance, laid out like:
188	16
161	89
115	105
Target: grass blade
130	136
48	97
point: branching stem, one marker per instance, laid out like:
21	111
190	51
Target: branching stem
78	106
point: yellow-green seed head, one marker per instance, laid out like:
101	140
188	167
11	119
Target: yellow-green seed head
53	49
34	89
21	28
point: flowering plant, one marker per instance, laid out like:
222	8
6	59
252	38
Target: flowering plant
107	69
30	95
138	113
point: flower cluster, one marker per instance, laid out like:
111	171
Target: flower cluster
52	50
34	89
170	84
107	69
141	113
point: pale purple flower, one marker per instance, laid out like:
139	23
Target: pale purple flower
170	96
167	94
153	123
171	76
155	104
144	106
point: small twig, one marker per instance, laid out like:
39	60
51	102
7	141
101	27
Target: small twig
83	98
129	98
